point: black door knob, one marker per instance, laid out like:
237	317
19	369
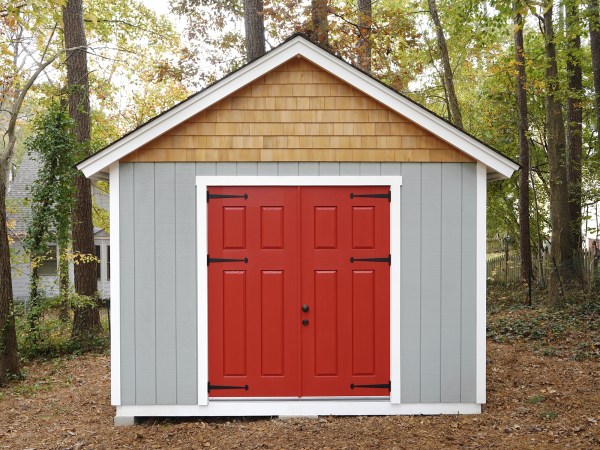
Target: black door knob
305	322
305	308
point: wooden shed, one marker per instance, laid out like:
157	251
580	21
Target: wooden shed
297	239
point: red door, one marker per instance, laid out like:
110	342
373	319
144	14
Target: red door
346	341
289	313
253	310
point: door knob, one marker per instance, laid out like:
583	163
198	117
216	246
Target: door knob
305	308
305	322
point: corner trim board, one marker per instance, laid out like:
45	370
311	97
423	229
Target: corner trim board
480	340
115	287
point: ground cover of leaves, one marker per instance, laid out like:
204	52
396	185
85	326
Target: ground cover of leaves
534	401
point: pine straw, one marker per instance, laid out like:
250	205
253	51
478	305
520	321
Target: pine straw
534	401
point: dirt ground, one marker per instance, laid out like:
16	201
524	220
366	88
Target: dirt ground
534	401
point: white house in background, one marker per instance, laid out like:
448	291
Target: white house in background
18	218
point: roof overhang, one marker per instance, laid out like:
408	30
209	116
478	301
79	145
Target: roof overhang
499	166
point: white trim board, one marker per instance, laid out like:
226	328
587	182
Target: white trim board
481	279
298	46
284	408
115	288
203	182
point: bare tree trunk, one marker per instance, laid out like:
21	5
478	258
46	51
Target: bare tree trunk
255	29
365	16
525	236
560	254
455	115
574	133
9	357
320	22
594	19
87	318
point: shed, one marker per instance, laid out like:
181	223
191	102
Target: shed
297	239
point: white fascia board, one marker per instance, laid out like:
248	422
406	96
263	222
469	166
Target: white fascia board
298	47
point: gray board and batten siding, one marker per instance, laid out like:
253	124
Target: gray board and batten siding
158	275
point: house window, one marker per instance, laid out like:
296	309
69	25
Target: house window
48	266
98	264
108	262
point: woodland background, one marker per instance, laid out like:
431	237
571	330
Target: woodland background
522	76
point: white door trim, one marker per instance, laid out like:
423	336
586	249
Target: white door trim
202	182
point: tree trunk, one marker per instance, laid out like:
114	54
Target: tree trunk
9	357
365	15
455	115
320	22
594	19
255	29
524	228
560	254
87	317
574	133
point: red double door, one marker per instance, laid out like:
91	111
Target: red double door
298	291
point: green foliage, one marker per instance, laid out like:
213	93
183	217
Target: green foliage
534	400
572	331
51	196
54	335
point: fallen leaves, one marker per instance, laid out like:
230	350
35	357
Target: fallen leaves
534	401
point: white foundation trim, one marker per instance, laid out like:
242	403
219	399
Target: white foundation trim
115	288
297	408
203	182
481	284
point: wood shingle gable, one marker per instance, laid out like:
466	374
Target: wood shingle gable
215	105
298	112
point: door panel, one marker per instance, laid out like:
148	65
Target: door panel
298	319
253	311
347	339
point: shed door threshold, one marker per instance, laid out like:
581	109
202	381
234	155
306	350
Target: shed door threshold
301	399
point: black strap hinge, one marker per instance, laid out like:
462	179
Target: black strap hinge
388	195
224	260
209	196
216	387
382	260
387	386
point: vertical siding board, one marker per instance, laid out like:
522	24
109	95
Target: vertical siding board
226	168
185	281
206	168
145	302
349	168
166	343
410	284
391	169
469	283
451	282
267	168
308	169
287	169
370	168
247	169
127	288
430	282
329	168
